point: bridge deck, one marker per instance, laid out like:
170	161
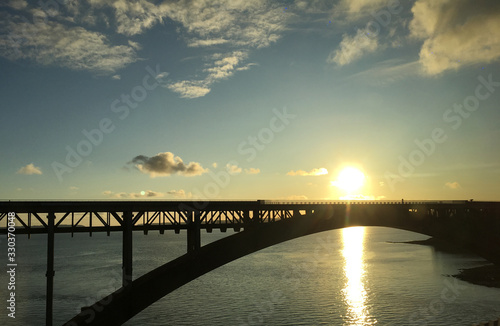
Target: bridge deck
107	216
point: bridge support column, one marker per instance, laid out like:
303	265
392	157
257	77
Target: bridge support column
50	269
256	213
127	249
194	232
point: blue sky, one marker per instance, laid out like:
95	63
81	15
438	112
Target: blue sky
112	99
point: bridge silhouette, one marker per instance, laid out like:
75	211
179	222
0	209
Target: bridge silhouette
258	224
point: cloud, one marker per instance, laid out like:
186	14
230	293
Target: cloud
221	67
452	185
354	9
180	194
190	89
165	164
65	34
17	4
352	48
148	194
52	43
73	188
29	169
297	197
132	195
135	17
313	172
246	67
233	169
254	23
252	171
237	25
388	72
456	33
107	192
224	67
210	42
134	45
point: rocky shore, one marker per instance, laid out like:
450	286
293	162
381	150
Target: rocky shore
488	275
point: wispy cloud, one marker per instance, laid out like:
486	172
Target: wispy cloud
452	185
221	66
225	66
351	10
453	39
17	4
29	169
233	169
354	47
238	25
388	72
181	193
133	195
296	197
52	43
165	164
209	42
70	34
190	89
252	171
313	172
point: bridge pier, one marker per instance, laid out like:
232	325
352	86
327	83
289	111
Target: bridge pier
256	214
127	249
193	231
50	269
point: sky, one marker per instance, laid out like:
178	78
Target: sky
253	99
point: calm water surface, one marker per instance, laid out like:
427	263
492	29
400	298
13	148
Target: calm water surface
352	276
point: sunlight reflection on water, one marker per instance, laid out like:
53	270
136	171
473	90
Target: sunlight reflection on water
354	292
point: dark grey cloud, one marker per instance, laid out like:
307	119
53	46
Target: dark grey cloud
165	164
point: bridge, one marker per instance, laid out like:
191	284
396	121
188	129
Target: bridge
258	224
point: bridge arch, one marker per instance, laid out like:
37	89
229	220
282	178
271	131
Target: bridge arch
125	303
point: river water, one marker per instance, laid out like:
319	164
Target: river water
353	276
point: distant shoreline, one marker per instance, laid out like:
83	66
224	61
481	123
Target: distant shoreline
487	275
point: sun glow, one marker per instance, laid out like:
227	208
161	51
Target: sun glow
350	179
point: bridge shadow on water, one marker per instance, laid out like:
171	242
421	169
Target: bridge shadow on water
476	228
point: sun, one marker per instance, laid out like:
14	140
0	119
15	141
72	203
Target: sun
350	179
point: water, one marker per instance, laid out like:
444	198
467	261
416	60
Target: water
342	277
